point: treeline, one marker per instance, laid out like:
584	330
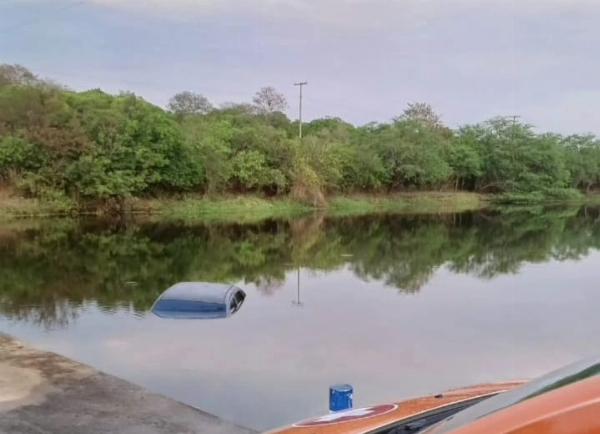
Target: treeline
94	147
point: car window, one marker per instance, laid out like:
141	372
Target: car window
240	297
236	301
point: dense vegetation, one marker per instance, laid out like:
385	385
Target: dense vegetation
128	266
95	148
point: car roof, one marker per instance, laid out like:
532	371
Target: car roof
197	291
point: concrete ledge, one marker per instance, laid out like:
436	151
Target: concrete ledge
44	393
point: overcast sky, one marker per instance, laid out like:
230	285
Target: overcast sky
364	59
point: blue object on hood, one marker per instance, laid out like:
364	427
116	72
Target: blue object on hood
199	300
340	397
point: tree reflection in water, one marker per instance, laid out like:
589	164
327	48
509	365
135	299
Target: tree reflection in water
53	269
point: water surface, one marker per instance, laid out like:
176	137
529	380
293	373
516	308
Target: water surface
396	306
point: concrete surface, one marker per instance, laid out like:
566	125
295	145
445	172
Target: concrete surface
43	393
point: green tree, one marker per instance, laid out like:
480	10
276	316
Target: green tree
583	161
97	148
465	158
515	159
412	154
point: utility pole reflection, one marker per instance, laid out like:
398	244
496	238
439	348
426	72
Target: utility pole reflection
298	302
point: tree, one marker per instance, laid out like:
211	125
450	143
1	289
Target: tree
333	128
412	154
422	113
516	160
209	142
95	147
188	103
464	157
267	100
137	147
17	75
583	160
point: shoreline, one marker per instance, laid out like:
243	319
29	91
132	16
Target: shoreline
251	208
254	208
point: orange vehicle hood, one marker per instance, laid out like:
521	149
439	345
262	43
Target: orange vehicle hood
363	420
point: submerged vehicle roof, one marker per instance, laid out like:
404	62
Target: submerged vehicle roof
199	300
197	291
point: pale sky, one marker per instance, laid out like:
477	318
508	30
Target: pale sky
364	59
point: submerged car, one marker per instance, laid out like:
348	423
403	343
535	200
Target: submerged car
564	401
199	300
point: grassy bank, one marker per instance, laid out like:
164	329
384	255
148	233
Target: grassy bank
12	207
252	208
240	209
406	203
244	209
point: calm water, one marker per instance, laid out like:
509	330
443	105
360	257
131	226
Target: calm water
397	306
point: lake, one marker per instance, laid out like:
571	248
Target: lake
397	306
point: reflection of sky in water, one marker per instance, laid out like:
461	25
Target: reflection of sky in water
272	362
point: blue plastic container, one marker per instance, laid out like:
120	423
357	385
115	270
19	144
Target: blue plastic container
340	397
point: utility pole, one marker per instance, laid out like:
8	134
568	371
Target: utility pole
300	84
